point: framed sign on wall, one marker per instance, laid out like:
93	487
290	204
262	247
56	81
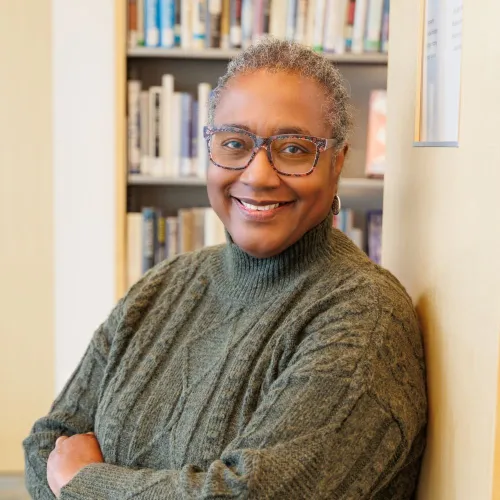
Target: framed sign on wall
437	113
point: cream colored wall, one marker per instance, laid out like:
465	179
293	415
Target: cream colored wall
442	239
26	247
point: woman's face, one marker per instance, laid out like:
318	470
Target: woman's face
269	104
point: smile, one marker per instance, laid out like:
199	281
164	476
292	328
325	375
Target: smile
260	210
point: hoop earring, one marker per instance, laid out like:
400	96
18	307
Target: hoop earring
336	205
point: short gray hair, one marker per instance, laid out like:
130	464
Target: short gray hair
276	55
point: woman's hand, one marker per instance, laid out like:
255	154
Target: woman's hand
69	456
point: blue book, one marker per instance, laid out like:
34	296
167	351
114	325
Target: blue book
186	163
151	23
167	23
148	238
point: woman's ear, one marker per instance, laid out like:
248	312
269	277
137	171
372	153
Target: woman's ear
339	159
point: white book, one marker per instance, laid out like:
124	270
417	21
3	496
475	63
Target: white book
277	18
319	22
300	25
358	29
176	133
310	18
198	26
335	19
215	233
246	23
373	29
291	19
167	92
155	166
171	236
204	90
144	121
133	124
186	20
134	248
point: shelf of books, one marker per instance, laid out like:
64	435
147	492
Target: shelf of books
176	51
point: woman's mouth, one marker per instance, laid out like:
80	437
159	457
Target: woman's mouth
260	210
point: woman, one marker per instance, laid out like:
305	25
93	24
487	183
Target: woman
282	365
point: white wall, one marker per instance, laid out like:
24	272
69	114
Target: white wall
442	239
83	48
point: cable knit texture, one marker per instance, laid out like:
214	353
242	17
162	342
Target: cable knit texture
220	375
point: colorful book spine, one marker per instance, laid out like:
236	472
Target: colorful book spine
358	30
319	20
375	148
132	23
213	23
246	23
185	150
335	19
177	25
235	24
151	23
258	20
373	26
351	7
291	19
167	92
204	90
199	13
267	16
155	161
225	25
384	44
167	23
160	236
148	238
134	126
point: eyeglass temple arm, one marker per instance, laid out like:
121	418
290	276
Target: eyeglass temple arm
331	143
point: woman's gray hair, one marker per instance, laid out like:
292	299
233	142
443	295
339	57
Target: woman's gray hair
276	55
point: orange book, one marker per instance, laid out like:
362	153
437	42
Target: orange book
375	150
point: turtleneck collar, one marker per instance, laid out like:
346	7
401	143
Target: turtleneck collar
242	277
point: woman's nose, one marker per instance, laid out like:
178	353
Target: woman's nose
260	173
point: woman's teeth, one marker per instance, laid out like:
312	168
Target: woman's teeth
262	208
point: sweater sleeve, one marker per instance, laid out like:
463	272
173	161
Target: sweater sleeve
319	431
71	413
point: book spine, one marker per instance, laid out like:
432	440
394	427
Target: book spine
198	23
186	20
351	7
319	18
144	124
291	16
358	30
171	237
235	24
177	25
167	23
310	18
186	227
134	124
374	226
151	23
198	228
225	25
132	23
176	133
204	90
194	138
140	22
300	25
186	102
148	238
246	23
376	142
155	163
277	18
213	23
214	233
167	92
160	250
258	20
134	248
373	26
384	44
267	16
335	18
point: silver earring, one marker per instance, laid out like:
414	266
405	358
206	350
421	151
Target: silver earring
337	205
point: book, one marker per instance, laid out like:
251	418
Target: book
310	19
167	92
225	25
176	133
144	131
171	237
258	20
177	25
133	125
134	248
384	42
348	32
319	18
213	23
300	24
291	19
235	24
335	21
358	29
167	23
185	135
373	25
140	22
214	232
186	226
198	24
155	164
246	23
151	23
375	149
186	21
193	153
148	238
374	230
160	251
132	23
204	90
277	18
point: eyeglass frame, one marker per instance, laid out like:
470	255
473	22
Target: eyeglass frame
322	144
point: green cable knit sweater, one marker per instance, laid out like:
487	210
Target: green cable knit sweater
220	375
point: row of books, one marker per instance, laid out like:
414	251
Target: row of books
326	25
165	130
152	237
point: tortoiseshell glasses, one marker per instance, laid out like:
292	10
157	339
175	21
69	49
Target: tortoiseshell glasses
233	148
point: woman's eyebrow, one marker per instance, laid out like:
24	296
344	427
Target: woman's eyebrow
277	131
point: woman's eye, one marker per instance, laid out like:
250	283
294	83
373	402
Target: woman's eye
233	144
292	149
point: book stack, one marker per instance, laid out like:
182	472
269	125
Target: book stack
152	237
336	26
165	130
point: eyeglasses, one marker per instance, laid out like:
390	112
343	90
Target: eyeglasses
233	148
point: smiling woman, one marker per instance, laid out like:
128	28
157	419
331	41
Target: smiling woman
284	364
